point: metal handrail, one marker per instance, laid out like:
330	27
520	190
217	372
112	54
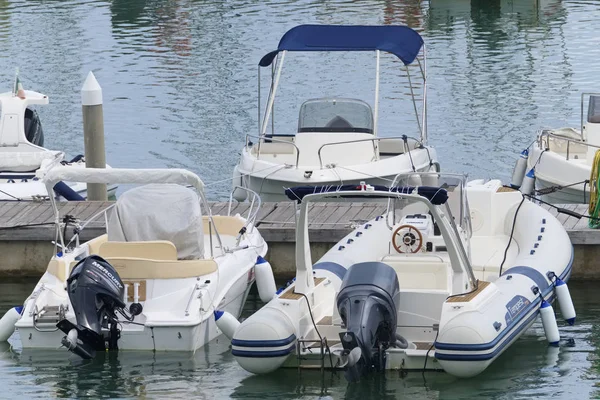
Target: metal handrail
366	140
252	212
264	137
548	134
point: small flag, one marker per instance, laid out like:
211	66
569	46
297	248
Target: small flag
18	87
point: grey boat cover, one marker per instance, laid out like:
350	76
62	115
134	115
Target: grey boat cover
159	212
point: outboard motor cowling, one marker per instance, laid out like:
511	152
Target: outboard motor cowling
367	303
96	292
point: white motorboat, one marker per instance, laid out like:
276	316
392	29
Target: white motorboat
156	279
22	152
558	164
337	140
447	279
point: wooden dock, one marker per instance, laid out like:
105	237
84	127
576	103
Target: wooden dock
27	229
35	220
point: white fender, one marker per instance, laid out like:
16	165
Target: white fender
519	170
265	281
528	184
239	195
8	321
564	301
549	323
264	341
227	323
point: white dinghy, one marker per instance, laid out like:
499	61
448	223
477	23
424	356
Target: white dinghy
22	152
431	284
337	140
155	281
558	165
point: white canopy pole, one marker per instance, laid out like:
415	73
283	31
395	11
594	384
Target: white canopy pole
376	110
272	94
424	132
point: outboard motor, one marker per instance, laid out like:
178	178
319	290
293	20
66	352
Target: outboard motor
367	303
96	292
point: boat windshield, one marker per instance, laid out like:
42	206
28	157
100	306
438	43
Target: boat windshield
335	115
454	184
594	109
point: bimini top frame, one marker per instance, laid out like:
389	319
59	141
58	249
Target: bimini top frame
51	175
402	41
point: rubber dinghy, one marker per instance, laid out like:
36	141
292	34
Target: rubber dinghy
446	279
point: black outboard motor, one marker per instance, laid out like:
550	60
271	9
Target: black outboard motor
33	127
96	292
367	303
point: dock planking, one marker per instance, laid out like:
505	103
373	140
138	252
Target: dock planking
328	221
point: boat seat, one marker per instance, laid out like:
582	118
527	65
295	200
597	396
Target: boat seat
155	250
340	153
487	253
143	268
95	243
275	148
416	273
396	146
225	225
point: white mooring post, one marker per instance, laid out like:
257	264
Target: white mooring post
93	133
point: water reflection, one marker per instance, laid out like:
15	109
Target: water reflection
528	369
508	72
179	77
167	23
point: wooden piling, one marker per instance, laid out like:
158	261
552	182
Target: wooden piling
93	133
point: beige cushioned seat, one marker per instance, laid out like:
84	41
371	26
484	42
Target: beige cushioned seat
154	250
142	268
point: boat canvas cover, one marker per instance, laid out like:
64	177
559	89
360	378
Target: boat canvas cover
436	195
159	212
402	41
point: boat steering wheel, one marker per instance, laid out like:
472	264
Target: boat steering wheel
407	239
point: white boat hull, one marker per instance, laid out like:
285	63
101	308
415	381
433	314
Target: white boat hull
270	180
554	170
28	189
154	338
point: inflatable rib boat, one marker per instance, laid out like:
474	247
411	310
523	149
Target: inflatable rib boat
447	278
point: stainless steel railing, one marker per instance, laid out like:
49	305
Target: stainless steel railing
374	140
545	135
262	138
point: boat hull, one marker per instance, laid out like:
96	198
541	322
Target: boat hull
270	180
154	337
554	170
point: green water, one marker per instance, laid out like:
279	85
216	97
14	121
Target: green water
179	82
179	76
529	369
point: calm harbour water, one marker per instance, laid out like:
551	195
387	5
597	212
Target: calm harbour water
529	369
179	81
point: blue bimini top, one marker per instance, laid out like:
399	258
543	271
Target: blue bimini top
401	41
